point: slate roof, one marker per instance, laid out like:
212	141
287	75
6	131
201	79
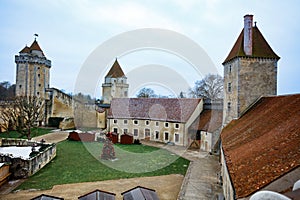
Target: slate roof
263	144
115	71
209	120
260	47
46	197
33	46
140	193
173	109
98	194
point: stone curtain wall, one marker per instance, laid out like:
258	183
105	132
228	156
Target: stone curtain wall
22	168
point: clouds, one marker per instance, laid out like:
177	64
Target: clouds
70	30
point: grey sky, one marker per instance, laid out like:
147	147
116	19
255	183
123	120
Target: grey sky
70	30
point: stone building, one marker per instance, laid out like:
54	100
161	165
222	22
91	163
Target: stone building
155	119
33	79
250	71
33	71
115	84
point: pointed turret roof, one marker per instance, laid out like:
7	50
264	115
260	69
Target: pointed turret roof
115	71
26	49
36	46
261	48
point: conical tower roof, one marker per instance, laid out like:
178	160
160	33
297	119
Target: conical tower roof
261	48
35	46
26	49
115	71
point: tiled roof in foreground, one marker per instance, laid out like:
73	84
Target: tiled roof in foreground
263	144
162	109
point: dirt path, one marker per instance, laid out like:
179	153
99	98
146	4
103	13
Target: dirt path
167	188
53	137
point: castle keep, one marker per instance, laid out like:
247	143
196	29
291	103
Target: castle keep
32	71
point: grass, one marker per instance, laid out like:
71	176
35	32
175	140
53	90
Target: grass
77	162
34	133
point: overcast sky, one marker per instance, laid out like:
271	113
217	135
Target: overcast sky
69	31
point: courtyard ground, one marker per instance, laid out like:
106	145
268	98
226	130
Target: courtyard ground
200	181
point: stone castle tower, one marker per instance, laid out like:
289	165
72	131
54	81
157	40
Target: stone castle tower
33	71
115	84
250	71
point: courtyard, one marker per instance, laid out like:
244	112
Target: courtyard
74	179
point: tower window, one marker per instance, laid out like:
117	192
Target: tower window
229	69
229	87
228	105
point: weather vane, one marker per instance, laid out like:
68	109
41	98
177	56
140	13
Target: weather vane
35	36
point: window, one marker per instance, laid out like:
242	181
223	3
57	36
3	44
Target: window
125	130
166	136
115	121
135	132
115	130
136	122
156	123
125	121
20	86
228	105
176	139
229	87
39	75
229	69
177	126
147	132
125	93
147	122
156	135
39	85
166	124
38	93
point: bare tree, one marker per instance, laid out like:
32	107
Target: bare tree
211	87
8	115
23	113
146	93
31	112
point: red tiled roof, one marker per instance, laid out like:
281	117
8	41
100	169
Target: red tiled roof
263	144
173	110
35	46
115	71
209	120
26	49
260	47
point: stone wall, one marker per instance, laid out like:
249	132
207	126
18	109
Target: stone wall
245	80
155	127
228	190
22	168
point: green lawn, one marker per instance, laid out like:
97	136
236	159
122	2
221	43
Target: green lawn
79	162
34	133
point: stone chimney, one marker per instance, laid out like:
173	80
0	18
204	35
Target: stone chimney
248	24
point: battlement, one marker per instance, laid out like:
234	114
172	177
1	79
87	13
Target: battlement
33	60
